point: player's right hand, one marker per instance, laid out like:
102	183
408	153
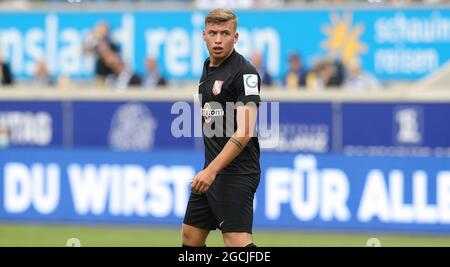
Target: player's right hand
202	181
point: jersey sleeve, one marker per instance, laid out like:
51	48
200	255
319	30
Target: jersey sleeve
247	84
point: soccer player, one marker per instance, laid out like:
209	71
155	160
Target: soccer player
222	193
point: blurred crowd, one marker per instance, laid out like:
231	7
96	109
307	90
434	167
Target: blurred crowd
243	3
111	71
325	73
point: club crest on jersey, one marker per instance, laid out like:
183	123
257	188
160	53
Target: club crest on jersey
217	87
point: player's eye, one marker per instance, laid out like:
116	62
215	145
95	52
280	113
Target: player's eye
212	33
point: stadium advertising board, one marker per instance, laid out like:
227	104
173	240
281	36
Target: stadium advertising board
396	128
298	191
129	125
305	127
31	124
391	43
155	125
321	127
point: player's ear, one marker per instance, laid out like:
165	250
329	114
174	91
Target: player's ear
236	37
204	36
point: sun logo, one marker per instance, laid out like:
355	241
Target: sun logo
343	39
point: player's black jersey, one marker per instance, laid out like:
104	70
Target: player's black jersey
221	90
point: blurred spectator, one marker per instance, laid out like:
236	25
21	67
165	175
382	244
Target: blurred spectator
236	4
321	75
6	77
338	73
324	74
257	61
100	43
327	72
122	77
359	80
109	57
208	4
296	74
42	77
153	77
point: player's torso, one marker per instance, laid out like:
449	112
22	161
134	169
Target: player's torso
217	94
217	87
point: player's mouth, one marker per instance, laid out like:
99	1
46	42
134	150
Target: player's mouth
217	49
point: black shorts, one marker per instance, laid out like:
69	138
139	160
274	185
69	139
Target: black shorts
227	204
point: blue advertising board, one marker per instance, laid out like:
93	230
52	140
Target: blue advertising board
391	43
297	191
306	127
32	124
396	124
128	125
312	127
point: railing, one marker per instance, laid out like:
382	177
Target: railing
187	92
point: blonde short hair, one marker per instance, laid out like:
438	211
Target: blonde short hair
221	15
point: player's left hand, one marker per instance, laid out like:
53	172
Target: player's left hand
202	181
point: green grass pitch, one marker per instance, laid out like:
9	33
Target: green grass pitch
43	235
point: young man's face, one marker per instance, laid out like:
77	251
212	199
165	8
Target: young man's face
220	39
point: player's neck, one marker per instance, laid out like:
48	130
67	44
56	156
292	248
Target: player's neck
216	62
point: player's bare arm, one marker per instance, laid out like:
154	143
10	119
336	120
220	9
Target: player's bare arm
246	120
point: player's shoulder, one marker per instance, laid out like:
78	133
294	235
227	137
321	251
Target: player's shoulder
243	66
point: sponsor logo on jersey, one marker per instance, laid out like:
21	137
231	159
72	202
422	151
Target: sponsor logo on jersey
208	112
